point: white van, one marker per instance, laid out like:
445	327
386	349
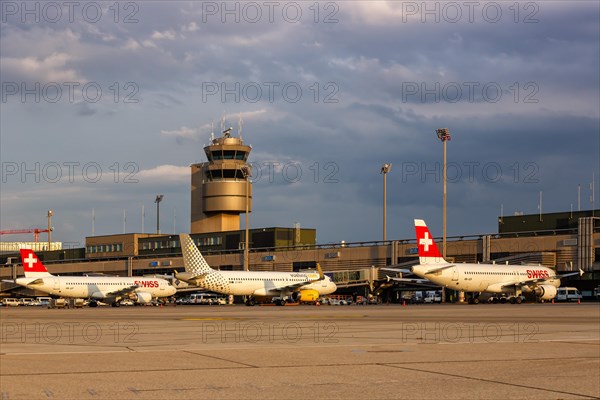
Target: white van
10	302
207	299
25	301
567	294
43	301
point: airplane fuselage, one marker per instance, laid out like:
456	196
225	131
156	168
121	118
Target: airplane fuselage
96	287
486	277
248	283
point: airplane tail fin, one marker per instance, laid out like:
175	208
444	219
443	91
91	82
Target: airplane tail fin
193	261
32	266
428	251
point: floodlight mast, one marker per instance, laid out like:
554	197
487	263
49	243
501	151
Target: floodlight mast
385	168
444	135
158	199
246	173
50	214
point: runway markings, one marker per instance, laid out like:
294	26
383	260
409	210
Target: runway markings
213	319
278	317
489	381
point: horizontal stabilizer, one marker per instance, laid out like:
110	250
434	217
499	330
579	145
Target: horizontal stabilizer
27	281
408	280
436	270
189	277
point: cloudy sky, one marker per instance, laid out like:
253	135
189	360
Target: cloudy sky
104	105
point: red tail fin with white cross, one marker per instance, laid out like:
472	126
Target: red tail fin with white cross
428	251
32	266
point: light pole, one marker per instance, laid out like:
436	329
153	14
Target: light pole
246	173
50	213
159	198
444	135
385	168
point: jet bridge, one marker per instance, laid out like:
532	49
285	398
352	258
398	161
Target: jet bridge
356	277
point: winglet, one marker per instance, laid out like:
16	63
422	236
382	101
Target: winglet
320	271
580	272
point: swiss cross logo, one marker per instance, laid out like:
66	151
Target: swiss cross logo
426	241
30	261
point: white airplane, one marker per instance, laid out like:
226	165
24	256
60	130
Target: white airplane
299	286
95	288
477	278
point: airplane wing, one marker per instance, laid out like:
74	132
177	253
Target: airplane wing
540	280
523	283
300	284
296	285
580	273
409	280
122	292
401	270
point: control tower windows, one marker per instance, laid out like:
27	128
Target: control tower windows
217	155
224	174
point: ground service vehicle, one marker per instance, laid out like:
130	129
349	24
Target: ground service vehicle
567	294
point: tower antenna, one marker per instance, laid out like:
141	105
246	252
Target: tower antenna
240	123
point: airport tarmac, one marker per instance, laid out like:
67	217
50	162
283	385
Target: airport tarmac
491	351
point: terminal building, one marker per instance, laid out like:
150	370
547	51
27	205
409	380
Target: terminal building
221	191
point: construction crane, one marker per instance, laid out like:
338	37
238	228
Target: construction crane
36	232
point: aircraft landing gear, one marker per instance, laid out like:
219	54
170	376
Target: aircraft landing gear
516	300
250	301
281	302
474	299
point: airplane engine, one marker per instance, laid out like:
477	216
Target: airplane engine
545	292
97	295
308	296
143	297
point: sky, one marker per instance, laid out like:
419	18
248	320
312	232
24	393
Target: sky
104	105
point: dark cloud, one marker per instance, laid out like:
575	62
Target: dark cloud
374	87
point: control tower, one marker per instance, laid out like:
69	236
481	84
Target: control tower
220	187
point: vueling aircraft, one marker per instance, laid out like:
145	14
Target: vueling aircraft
298	286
